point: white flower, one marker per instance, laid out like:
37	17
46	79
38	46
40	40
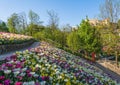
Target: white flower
17	69
28	57
7	71
35	75
29	62
24	69
37	65
11	61
42	83
59	77
55	66
32	73
71	76
66	80
57	84
25	83
57	72
16	73
31	83
22	74
41	54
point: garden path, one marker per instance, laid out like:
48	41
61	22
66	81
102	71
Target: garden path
112	74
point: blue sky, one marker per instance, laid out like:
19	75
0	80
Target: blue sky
69	11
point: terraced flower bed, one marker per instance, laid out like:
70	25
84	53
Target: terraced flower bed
10	42
46	65
11	38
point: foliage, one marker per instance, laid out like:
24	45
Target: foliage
3	27
53	19
110	10
13	23
89	37
118	23
34	18
73	41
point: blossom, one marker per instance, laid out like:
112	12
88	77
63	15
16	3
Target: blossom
29	75
7	82
37	83
18	83
20	77
7	71
2	77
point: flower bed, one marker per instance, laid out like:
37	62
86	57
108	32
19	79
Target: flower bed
46	65
10	38
10	41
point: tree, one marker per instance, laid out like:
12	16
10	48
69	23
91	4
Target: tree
34	18
22	22
53	19
13	23
110	10
89	37
73	41
118	23
66	28
3	27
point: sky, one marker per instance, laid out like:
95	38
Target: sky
69	11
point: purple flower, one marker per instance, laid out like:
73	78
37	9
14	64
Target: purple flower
7	82
45	78
29	75
13	56
37	83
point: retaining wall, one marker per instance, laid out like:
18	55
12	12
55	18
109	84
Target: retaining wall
8	48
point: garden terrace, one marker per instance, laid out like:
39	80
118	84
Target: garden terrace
10	41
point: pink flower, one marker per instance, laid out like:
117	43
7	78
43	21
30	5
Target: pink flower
28	71
18	83
20	77
13	56
18	65
45	78
2	77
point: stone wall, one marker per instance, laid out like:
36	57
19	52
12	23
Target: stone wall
8	48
